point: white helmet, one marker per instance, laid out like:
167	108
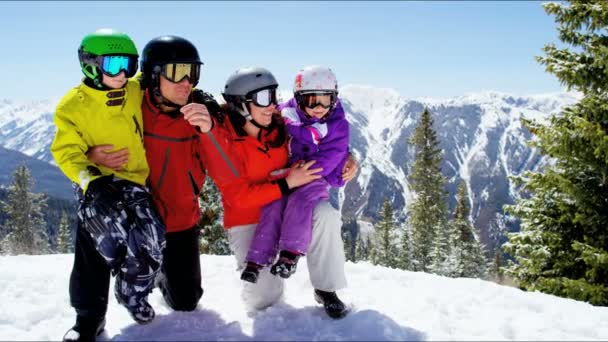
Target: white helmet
315	78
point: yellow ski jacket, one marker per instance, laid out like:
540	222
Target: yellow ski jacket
86	117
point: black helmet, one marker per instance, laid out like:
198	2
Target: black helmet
245	81
165	50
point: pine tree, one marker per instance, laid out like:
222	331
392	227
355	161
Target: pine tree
346	241
362	248
385	249
562	248
404	256
467	253
27	228
64	239
428	210
349	232
213	237
496	268
440	251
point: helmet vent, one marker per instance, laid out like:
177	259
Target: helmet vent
115	46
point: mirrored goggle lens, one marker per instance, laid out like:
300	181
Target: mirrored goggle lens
313	100
176	72
113	65
264	98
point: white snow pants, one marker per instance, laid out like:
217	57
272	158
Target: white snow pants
325	258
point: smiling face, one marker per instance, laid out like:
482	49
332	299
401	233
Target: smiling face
262	115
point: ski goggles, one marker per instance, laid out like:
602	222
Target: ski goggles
114	65
264	97
176	72
111	65
312	100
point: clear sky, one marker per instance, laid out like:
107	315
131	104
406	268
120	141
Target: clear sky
436	49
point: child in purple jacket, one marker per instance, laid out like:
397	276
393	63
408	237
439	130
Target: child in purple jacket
318	130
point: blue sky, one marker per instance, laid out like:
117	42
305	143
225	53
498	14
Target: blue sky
437	49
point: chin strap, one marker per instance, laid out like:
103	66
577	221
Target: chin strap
245	113
163	100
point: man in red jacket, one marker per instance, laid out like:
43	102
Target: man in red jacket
176	121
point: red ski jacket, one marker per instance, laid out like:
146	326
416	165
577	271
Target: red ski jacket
244	196
178	155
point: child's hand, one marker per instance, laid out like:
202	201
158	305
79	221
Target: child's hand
197	115
100	155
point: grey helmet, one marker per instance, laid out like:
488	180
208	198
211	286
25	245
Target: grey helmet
243	83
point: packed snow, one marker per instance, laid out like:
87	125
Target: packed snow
386	304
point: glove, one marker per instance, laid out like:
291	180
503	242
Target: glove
199	96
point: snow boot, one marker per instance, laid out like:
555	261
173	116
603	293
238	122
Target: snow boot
86	329
334	307
286	265
141	311
251	272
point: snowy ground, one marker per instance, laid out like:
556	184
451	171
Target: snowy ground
386	305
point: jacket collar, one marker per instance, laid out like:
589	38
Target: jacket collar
153	108
112	98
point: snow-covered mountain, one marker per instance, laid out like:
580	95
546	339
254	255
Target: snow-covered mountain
481	134
28	127
386	305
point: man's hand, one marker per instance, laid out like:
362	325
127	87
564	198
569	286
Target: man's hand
199	96
101	155
197	115
350	168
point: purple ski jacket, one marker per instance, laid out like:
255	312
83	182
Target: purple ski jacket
325	141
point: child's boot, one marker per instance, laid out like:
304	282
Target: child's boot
251	272
286	265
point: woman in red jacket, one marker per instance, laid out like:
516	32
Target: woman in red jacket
258	147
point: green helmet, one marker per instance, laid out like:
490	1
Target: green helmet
105	42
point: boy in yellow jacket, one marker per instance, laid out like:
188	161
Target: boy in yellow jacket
119	230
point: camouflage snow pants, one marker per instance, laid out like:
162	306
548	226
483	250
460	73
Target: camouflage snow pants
129	235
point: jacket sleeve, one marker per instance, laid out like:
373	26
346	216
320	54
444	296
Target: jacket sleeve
309	134
333	148
218	153
69	151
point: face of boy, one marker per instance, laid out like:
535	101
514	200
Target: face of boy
177	93
115	82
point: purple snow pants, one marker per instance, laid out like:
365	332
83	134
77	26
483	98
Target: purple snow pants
286	224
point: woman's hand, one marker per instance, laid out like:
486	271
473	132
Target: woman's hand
100	155
302	174
350	168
